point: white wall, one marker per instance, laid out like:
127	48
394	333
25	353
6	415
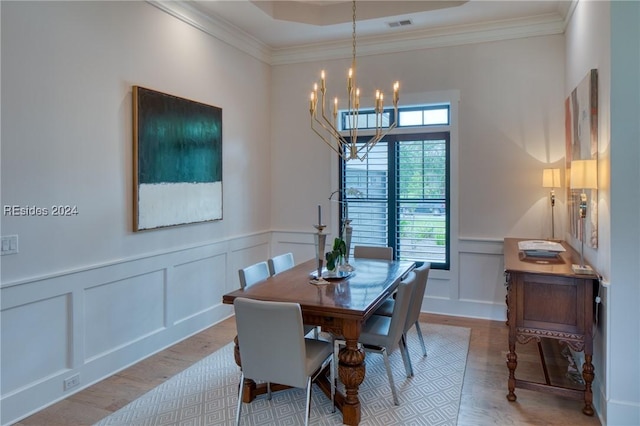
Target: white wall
511	126
588	47
604	35
623	380
85	295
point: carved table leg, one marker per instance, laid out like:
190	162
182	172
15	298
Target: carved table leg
351	371
587	374
512	363
512	357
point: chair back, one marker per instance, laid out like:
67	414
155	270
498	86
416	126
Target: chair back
254	273
271	342
373	252
281	263
400	310
422	274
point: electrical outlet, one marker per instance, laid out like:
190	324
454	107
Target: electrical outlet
71	382
10	244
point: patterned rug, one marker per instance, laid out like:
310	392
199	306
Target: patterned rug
206	392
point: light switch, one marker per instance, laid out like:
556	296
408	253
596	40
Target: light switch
10	244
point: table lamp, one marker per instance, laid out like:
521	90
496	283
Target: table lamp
551	179
584	175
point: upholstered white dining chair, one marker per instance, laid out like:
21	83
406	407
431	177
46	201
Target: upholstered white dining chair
382	334
273	348
254	273
373	252
281	263
413	316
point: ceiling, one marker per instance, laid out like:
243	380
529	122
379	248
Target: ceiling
289	24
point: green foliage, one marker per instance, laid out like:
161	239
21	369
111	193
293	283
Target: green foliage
432	229
338	251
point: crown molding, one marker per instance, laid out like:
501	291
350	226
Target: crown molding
569	13
417	40
457	35
216	27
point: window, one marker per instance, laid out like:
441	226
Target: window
399	195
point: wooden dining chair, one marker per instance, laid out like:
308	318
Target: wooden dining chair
254	273
382	334
273	348
373	252
280	263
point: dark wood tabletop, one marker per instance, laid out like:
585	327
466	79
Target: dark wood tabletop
356	296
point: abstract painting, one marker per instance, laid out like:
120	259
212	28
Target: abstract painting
581	134
177	160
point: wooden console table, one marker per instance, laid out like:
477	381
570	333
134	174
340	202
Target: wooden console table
545	299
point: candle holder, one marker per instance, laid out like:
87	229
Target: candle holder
348	231
320	240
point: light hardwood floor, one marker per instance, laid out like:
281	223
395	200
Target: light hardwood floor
483	399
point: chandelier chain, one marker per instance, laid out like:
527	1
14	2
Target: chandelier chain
353	36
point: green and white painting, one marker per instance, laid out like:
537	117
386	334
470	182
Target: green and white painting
177	160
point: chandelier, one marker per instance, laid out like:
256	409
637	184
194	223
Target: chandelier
326	128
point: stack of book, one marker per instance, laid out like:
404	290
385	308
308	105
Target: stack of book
540	248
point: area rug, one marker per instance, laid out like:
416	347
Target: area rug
206	392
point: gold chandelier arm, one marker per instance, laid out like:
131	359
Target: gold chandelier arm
339	145
328	142
328	127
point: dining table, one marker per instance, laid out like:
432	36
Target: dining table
340	307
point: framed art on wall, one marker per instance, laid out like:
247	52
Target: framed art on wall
177	160
581	130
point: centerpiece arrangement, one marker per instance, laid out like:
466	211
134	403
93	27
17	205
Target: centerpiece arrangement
337	254
337	259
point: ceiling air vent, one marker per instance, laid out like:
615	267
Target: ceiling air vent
397	24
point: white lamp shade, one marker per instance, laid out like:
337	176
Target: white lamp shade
584	174
551	178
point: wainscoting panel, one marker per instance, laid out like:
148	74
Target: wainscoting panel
481	276
437	287
36	335
197	286
122	312
84	325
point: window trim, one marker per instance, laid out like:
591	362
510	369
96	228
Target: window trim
344	114
392	140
